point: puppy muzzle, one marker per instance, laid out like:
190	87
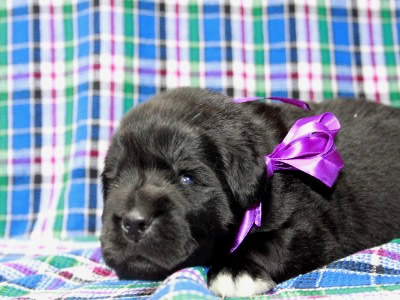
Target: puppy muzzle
135	225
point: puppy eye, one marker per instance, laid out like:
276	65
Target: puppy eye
186	179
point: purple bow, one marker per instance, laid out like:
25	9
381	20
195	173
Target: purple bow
308	147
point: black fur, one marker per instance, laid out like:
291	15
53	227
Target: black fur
221	145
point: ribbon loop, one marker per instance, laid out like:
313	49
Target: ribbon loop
309	147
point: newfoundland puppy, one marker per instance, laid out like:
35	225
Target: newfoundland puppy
183	168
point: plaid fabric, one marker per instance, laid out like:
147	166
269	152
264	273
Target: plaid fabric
70	69
81	274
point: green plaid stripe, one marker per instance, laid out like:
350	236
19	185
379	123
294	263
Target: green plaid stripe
259	51
390	50
194	48
129	51
325	52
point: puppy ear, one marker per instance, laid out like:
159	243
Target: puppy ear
105	184
112	165
246	176
107	176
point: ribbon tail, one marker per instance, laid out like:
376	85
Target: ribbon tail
252	216
295	102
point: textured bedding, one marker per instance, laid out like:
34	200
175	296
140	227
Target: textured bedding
75	270
70	69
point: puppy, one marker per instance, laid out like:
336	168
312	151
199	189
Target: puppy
183	168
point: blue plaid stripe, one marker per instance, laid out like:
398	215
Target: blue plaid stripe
147	49
277	42
366	268
20	137
342	55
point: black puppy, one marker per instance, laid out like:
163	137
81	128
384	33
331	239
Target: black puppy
183	168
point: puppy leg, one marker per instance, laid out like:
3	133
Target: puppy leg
249	270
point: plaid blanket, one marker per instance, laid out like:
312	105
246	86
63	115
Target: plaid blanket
55	273
70	69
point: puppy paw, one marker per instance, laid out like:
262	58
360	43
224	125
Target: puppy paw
225	284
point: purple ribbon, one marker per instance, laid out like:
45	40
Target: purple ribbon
308	147
292	101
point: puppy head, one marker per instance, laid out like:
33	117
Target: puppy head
178	176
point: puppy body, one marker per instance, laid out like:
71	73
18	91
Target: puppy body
192	162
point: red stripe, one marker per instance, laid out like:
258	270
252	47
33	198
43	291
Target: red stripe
53	111
383	253
371	44
243	33
309	52
40	160
229	73
178	52
112	82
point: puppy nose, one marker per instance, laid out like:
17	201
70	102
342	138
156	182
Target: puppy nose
135	224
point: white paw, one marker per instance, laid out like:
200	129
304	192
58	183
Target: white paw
243	285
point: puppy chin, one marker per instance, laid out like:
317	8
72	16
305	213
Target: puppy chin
149	259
